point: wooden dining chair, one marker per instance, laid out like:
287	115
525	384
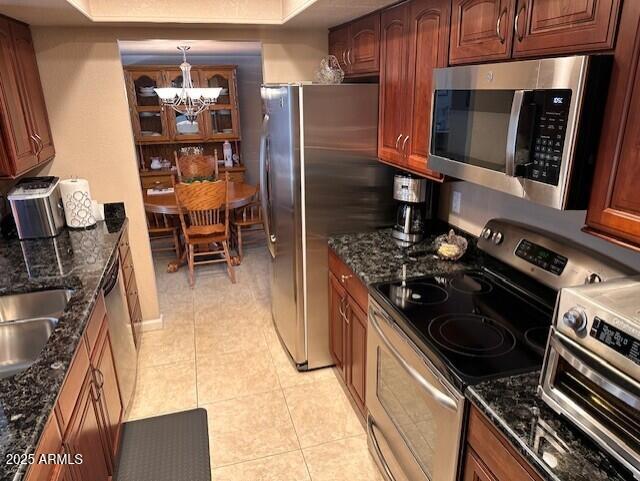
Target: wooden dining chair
247	218
201	167
204	217
164	234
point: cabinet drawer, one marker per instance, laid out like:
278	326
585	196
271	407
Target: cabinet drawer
132	295
72	387
95	323
123	248
349	280
495	451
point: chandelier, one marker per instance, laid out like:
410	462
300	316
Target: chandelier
188	100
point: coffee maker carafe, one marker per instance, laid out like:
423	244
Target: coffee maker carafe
411	192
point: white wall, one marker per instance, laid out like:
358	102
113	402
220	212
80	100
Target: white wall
480	204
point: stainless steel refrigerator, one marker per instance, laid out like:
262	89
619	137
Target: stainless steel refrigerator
319	176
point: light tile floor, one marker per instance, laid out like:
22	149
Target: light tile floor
219	350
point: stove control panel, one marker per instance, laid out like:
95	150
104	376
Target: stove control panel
542	257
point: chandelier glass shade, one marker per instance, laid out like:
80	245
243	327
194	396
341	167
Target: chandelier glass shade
188	100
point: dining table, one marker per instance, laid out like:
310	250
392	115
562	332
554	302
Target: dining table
240	194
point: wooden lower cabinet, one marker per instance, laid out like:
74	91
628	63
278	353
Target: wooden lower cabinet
87	418
348	328
85	435
489	456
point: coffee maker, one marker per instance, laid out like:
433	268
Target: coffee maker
412	192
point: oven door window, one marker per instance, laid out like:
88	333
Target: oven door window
471	126
617	415
405	403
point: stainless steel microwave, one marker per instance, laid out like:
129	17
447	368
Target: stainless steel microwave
528	128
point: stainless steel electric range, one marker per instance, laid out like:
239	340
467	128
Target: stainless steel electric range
430	337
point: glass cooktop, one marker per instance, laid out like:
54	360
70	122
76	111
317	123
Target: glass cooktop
476	324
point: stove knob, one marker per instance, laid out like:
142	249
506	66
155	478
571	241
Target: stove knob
497	238
575	319
487	233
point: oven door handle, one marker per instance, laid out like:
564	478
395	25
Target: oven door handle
441	398
376	447
512	132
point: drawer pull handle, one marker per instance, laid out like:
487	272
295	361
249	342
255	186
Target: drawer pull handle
345	277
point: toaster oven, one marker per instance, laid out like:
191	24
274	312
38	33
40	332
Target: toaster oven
591	373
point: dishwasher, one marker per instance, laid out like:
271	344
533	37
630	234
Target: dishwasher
125	353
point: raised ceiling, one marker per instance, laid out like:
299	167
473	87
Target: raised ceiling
288	13
138	48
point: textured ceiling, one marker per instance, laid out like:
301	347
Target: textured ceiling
287	13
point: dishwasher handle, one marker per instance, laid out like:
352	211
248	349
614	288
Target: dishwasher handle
112	277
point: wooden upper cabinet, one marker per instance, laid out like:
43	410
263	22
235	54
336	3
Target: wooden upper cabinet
179	127
481	30
544	27
356	45
147	115
428	49
26	135
339	44
614	208
392	131
32	90
364	45
19	146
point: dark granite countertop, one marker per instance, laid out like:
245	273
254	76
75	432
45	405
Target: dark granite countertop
554	447
76	260
375	256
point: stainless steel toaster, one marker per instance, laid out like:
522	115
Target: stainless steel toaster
37	207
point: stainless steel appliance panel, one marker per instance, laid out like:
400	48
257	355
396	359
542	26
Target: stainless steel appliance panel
415	415
125	353
281	190
345	189
490	129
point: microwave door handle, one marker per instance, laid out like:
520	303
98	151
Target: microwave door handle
512	132
441	398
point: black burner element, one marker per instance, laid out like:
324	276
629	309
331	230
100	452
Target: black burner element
427	294
471	335
471	284
537	338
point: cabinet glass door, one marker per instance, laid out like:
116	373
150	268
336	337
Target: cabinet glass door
224	80
223	123
143	85
148	116
181	127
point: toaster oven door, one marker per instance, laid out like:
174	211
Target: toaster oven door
598	398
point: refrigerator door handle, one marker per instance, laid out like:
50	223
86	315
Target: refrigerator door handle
264	191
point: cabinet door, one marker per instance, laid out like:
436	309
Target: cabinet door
428	49
337	323
614	208
108	393
481	30
147	115
63	473
85	436
223	119
20	147
394	31
364	45
356	353
544	27
474	470
50	443
338	45
179	127
32	90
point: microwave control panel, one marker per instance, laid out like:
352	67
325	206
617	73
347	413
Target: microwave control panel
551	114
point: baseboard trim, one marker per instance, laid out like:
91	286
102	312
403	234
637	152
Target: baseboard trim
153	324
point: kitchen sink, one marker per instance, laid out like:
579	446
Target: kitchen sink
26	323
